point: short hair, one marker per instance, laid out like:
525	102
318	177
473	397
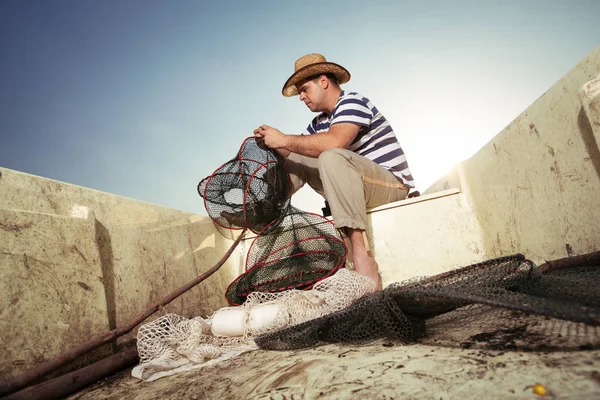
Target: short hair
332	78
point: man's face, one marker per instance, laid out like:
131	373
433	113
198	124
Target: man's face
311	93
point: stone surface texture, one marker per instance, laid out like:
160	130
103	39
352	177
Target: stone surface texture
371	372
76	262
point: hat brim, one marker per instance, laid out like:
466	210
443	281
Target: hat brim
341	73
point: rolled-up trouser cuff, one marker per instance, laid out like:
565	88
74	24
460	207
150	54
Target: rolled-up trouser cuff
350	223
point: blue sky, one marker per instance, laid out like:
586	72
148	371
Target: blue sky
145	98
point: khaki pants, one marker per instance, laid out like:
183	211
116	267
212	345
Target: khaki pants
350	183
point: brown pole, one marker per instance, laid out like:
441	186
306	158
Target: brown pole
21	381
69	383
571	262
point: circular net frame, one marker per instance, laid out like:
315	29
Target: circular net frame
251	190
300	250
293	249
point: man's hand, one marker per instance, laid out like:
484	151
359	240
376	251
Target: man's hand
339	136
273	138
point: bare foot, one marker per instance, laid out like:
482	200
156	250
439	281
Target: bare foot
366	265
362	258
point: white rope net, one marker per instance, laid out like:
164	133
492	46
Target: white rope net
172	343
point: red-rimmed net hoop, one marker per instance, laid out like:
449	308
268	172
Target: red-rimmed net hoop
294	249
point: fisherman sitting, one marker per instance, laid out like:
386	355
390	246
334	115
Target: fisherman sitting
349	153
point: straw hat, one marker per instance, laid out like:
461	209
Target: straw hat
311	65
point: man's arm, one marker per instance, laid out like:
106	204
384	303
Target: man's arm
339	136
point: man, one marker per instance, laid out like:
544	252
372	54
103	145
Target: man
349	153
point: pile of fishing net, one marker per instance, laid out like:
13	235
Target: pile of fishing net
172	343
407	311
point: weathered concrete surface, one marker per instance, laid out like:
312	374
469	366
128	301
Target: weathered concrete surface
371	372
51	287
423	236
535	187
589	95
95	261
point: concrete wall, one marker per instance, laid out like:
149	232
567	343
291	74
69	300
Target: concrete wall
75	262
424	236
535	187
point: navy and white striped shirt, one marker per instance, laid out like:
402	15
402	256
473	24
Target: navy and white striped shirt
375	140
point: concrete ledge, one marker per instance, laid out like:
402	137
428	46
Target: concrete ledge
424	236
414	200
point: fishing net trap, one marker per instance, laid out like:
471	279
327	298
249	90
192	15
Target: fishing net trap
293	249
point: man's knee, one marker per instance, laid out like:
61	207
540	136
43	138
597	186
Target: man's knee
332	158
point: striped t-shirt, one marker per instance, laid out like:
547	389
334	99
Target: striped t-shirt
375	140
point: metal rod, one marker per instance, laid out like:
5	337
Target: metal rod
590	259
72	382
